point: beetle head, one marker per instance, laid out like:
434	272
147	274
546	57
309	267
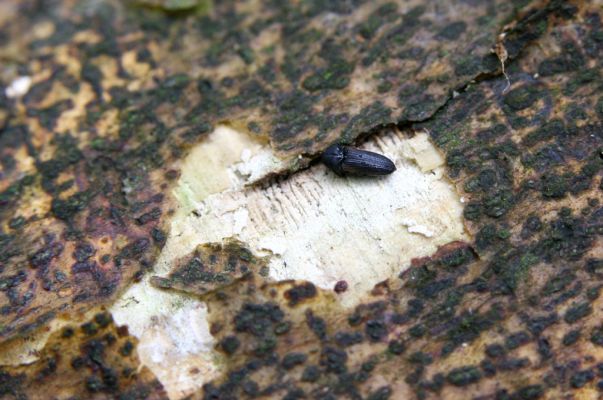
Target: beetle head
333	157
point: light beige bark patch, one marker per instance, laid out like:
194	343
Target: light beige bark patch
313	225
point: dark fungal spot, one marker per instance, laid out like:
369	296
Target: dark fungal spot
37	92
488	368
340	287
17	222
292	360
152	215
577	312
493	132
396	347
384	14
77	363
110	378
251	388
472	211
334	360
417	331
495	350
311	374
89	328
581	378
68	332
531	392
126	349
92	74
467	65
383	393
300	293
316	324
294	394
335	76
49	115
375	329
558	282
554	186
596	336
512	364
103	319
436	383
521	97
94	384
453	30
497	204
256	319
282	328
464	376
549	130
83	252
538	324
593	293
265	347
594	266
420	358
109	339
571	60
545	349
531	226
415	306
43	257
516	340
158	236
375	114
230	344
346	339
415	375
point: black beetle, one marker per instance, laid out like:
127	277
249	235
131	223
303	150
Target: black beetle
344	160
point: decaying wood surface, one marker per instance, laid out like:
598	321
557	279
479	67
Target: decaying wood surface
103	100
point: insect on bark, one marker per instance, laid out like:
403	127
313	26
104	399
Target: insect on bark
346	160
